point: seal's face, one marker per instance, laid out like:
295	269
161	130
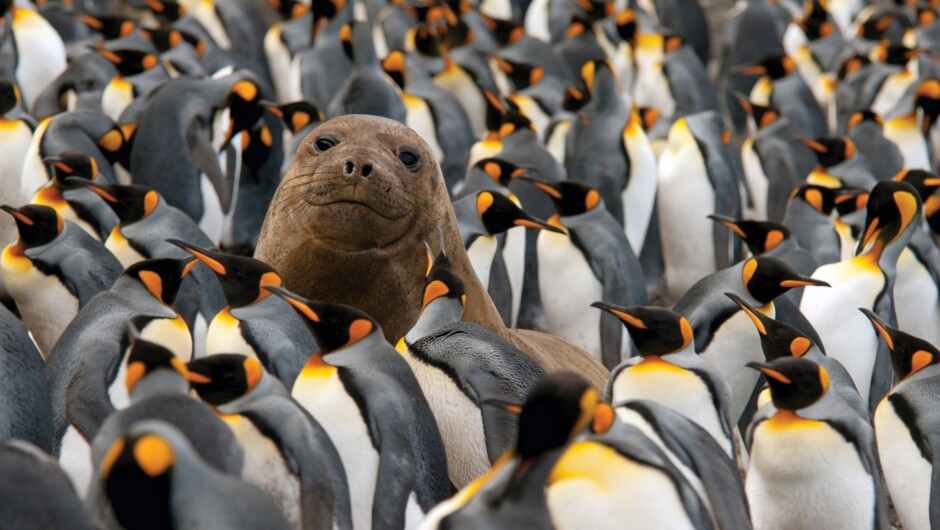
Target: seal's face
355	180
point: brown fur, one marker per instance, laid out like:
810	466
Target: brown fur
358	241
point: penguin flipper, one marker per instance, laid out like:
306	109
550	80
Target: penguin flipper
397	462
789	313
88	413
499	287
933	439
698	450
204	157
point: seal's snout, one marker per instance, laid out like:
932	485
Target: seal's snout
349	169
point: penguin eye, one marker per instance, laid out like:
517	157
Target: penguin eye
323	143
409	158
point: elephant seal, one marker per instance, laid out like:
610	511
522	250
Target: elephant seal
347	225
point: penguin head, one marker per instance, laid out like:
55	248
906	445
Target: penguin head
498	214
71	164
110	27
876	26
559	407
160	276
850	200
892	211
852	64
296	115
778	340
323	12
795	383
570	198
654	330
909	354
9	96
626	24
831	150
137	475
441	281
166	39
130	62
130	203
927	99
147	358
222	378
759	236
815	22
334	326
394	65
820	198
926	184
864	116
513	119
926	14
501	171
244	103
241	277
774	65
289	9
36	224
167	11
574	99
115	145
894	53
766	278
764	115
523	75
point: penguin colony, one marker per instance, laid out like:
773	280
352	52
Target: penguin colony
747	241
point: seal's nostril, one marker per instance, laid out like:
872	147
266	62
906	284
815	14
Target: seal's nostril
349	167
366	170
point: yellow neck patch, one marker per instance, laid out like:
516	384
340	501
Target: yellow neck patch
785	420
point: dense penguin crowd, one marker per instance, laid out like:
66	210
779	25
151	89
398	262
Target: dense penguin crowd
469	264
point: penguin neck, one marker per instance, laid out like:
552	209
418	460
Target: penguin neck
371	342
161	381
266	386
605	96
437	314
885	255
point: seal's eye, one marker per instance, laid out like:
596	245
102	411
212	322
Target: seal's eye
409	158
324	142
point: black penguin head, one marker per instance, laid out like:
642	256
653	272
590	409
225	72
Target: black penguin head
335	326
222	378
115	144
759	236
778	340
851	65
498	213
167	11
507	32
441	281
166	39
146	358
654	330
110	27
909	354
896	54
514	120
766	278
296	115
130	62
627	26
71	164
893	208
763	115
775	65
130	203
815	22
925	182
501	171
394	65
831	150
795	383
523	75
850	200
820	198
864	116
289	9
137	472
927	99
241	277
323	12
244	103
570	198
36	224
574	99
9	96
161	276
558	408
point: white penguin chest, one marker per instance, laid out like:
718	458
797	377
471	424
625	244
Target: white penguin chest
734	344
514	257
833	312
122	249
904	133
592	486
419	117
321	392
640	194
264	467
459	420
568	287
225	336
40	53
674	387
916	300
757	182
907	474
806	475
46	305
481	253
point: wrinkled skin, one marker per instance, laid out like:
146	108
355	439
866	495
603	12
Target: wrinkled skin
341	233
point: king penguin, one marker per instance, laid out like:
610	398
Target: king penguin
16	134
590	260
866	280
287	452
904	419
53	270
813	461
73	203
39	51
368	400
23	390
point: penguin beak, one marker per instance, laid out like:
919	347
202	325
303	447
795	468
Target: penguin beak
881	327
871	233
622	313
272	108
815	146
730	223
298	302
85	183
749	70
756	318
802	281
19	216
548	189
531	222
201	255
508	406
769	372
